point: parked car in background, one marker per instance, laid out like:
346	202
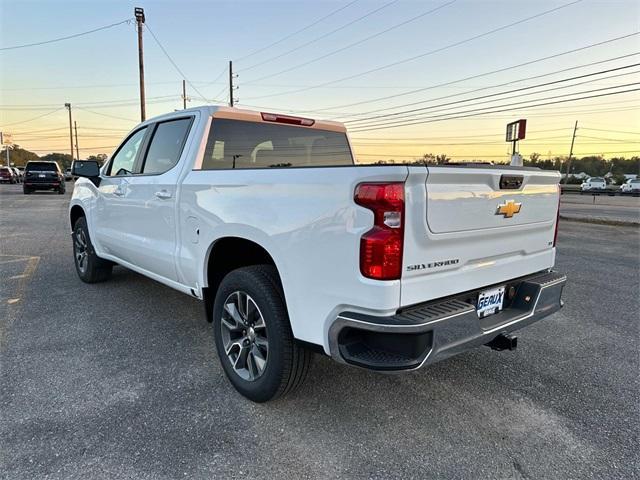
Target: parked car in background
294	247
594	184
18	174
631	186
67	174
7	175
43	176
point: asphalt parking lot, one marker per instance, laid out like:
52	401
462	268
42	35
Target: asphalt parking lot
120	380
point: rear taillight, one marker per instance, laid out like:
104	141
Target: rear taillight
381	247
555	233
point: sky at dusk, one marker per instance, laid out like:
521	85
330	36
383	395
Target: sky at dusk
409	77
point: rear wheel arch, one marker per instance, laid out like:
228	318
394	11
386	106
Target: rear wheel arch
230	253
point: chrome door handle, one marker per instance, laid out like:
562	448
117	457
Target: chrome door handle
163	194
118	192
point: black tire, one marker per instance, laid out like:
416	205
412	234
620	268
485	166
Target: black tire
26	191
287	363
91	269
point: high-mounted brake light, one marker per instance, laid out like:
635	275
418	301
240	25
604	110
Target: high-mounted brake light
381	247
288	119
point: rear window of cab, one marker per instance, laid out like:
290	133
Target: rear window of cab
243	144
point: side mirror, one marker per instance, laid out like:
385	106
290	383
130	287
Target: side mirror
87	169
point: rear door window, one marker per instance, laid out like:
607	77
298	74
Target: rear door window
166	146
241	144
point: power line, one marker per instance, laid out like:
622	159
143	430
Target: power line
359	42
108	103
380	126
40	131
52	149
501	135
286	37
431	52
107	115
473	77
317	39
172	62
222	72
412	118
612	131
406	113
34	118
402	122
67	37
480	89
620	140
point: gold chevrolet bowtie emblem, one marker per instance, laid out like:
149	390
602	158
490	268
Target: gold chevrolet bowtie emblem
509	209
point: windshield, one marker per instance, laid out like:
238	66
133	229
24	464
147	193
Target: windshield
42	167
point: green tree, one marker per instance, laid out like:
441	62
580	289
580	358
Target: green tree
100	158
437	159
18	156
63	159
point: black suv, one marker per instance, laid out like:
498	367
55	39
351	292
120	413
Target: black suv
43	176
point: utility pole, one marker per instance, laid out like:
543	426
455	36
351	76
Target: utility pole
230	83
75	128
139	14
184	95
573	139
68	105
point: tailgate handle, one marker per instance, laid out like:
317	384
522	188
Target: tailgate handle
510	182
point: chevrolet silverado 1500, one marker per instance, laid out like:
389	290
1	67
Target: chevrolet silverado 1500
293	247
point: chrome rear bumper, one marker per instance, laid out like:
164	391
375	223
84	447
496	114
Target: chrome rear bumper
436	330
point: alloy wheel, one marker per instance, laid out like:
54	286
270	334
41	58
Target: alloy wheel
80	247
244	336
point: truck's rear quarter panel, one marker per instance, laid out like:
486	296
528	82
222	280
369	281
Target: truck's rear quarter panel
307	220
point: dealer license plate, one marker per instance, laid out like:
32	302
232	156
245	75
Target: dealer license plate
490	301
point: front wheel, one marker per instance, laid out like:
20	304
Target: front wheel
253	336
90	267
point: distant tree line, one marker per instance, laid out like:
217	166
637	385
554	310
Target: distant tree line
19	157
593	165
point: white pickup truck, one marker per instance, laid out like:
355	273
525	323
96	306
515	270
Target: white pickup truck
294	248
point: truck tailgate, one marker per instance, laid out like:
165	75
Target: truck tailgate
469	227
